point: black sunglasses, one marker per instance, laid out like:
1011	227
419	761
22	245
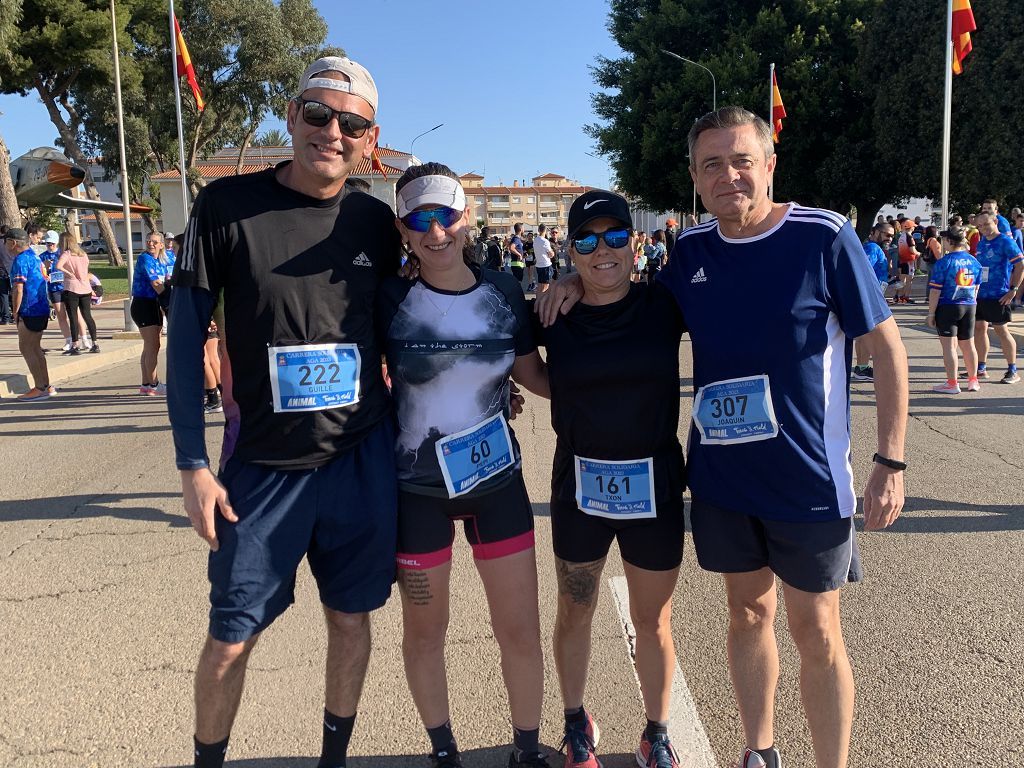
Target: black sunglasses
318	114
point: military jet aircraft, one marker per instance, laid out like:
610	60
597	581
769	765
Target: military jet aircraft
42	177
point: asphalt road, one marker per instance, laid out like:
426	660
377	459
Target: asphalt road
103	604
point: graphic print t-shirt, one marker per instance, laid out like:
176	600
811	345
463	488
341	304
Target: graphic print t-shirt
449	357
956	276
997	257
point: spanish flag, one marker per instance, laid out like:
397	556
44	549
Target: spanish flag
778	109
963	25
185	66
377	165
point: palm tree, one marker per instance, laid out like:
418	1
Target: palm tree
273	138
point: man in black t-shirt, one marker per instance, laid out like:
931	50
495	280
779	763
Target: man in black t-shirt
294	256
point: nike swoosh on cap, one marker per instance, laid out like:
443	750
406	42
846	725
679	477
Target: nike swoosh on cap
586	206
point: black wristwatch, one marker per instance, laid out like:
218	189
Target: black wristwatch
890	463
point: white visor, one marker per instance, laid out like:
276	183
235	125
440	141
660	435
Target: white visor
431	190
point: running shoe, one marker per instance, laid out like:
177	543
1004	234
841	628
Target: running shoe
579	745
656	754
973	386
751	759
66	347
160	388
95	348
71	351
213	405
37	394
528	759
1010	377
908	300
947	388
863	373
446	758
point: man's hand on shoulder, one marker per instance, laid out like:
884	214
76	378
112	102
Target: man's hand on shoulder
561	297
204	496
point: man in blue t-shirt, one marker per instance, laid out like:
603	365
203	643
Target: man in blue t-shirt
1002	269
882	234
991	207
769	456
31	311
952	301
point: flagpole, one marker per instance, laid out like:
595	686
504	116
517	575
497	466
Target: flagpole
177	106
129	324
771	115
947	116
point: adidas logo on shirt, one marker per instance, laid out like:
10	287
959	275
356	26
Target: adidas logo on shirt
362	260
699	276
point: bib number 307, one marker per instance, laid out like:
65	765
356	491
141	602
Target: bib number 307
735	411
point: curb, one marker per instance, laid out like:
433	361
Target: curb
69	368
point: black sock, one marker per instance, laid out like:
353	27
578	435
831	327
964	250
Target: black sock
442	739
337	732
656	728
526	740
210	755
576	718
770	756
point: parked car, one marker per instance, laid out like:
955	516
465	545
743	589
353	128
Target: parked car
97	246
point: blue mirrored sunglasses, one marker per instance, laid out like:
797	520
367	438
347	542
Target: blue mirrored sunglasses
613	238
419	221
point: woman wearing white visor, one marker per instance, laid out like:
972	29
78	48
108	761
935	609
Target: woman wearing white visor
453	336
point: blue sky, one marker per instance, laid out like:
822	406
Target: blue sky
513	92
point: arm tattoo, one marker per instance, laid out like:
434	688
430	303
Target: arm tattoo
416	586
579	581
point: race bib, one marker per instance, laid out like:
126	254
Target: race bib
621	490
984	274
965	293
314	377
470	457
735	411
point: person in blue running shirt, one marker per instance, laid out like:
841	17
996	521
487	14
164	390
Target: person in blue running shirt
149	282
991	207
952	301
1002	269
882	234
769	449
31	310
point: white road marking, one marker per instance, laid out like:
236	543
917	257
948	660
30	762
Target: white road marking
685	728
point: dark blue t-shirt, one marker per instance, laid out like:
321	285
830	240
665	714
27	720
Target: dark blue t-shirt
997	257
791	359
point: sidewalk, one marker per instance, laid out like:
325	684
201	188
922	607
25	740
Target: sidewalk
109	316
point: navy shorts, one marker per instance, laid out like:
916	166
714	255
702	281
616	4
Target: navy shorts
34	324
813	557
341	517
543	274
497	524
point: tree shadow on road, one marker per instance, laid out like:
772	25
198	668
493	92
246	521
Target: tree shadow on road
988	518
91	506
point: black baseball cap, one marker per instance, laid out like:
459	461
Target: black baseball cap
596	204
16	233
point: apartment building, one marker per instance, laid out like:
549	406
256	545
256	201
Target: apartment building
545	201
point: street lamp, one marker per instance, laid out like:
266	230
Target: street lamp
714	104
431	130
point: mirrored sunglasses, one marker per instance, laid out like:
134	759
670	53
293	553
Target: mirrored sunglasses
318	114
613	238
419	221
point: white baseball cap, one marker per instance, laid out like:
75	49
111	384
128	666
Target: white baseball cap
360	83
51	237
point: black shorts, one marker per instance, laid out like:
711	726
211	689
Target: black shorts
146	312
991	311
497	524
543	274
813	557
653	544
35	324
907	268
517	273
955	319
